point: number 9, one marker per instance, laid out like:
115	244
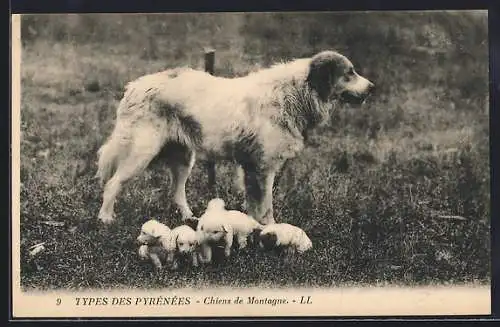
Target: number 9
58	301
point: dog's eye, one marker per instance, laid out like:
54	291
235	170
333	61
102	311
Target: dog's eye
181	244
350	72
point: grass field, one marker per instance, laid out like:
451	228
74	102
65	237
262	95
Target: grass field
395	192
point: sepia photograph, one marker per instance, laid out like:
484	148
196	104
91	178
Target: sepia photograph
236	163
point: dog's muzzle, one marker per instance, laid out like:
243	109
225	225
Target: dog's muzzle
356	97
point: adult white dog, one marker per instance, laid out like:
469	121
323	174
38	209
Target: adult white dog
258	121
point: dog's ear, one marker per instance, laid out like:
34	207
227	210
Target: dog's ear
196	242
322	71
171	243
156	233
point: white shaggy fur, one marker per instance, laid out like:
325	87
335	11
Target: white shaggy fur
257	121
152	240
183	241
287	236
153	232
218	224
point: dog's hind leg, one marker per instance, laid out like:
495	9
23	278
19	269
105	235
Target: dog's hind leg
181	169
141	152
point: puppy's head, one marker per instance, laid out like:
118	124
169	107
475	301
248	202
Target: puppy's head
216	204
333	76
185	241
268	241
151	232
212	231
254	236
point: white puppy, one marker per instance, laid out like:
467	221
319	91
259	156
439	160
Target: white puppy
288	237
183	242
218	224
153	240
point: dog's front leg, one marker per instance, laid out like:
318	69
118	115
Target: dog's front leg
289	254
205	253
194	259
239	184
268	217
228	240
156	261
171	259
259	195
242	241
211	173
175	264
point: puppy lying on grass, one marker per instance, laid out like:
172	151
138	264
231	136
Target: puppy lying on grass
288	238
183	243
154	240
218	224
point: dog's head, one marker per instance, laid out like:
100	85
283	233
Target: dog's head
151	232
212	231
267	241
216	204
333	76
183	240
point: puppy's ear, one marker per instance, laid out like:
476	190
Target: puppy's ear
255	235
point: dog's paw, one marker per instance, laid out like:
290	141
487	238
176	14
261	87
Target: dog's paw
106	219
185	212
174	266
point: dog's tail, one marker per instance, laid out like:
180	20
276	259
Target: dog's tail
108	153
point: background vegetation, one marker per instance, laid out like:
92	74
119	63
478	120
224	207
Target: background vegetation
395	192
